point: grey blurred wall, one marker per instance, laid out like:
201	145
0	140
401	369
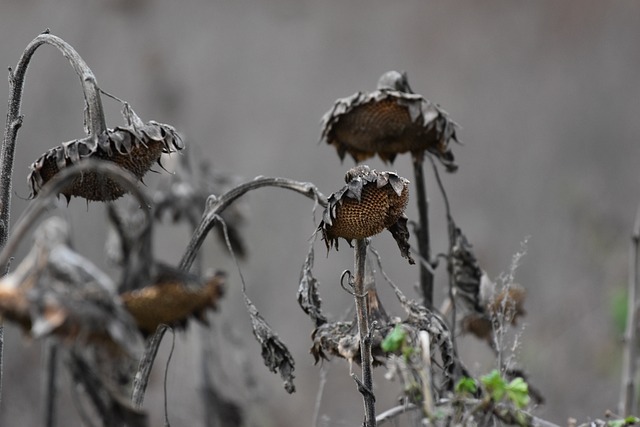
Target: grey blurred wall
546	93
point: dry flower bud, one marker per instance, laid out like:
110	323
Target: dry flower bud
389	121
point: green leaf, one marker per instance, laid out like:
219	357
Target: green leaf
629	421
394	340
518	392
466	385
495	384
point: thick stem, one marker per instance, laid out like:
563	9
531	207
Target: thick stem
627	404
363	331
50	384
422	233
96	123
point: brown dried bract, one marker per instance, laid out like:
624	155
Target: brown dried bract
389	121
172	299
135	147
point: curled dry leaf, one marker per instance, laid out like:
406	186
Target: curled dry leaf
275	354
173	297
308	296
56	291
370	202
135	147
467	275
389	121
183	196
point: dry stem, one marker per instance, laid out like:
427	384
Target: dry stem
627	405
363	330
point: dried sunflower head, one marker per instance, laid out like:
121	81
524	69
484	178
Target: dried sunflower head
135	147
173	297
389	121
370	202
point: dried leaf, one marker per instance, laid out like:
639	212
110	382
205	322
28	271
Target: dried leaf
308	296
275	353
466	272
400	233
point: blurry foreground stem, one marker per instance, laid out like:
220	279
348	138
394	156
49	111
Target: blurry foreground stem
362	313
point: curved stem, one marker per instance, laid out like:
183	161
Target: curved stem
96	122
53	187
216	205
210	217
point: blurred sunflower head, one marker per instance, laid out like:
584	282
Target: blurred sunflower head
389	121
135	147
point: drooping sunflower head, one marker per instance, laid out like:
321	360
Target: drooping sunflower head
369	202
389	121
135	147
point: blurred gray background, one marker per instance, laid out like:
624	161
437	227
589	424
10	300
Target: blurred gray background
548	98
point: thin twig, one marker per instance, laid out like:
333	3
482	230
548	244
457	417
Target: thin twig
363	331
324	369
388	415
166	379
627	405
422	232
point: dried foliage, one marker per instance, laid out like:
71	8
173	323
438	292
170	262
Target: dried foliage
56	291
275	354
136	147
341	339
183	196
308	296
370	202
389	121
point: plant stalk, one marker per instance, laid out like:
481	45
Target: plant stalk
95	121
422	232
363	331
628	398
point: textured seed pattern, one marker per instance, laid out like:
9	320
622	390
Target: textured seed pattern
378	209
171	303
389	122
370	202
135	147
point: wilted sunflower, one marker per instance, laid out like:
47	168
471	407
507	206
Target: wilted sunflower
135	147
172	298
389	121
370	202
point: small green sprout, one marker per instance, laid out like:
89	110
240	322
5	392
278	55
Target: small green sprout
396	340
517	391
466	385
